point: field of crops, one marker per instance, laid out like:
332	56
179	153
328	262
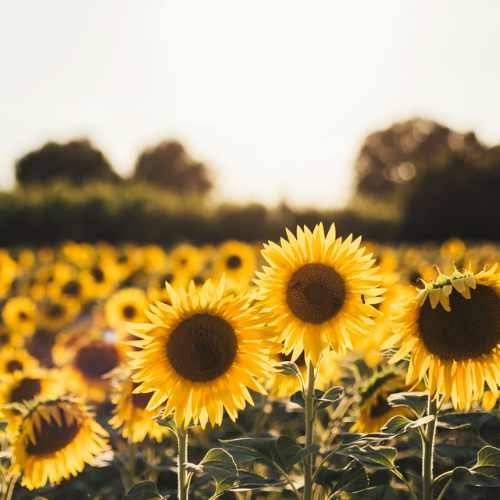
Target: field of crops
308	368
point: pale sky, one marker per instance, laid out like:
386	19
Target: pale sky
275	96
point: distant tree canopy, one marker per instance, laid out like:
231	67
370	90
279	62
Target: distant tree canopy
75	162
391	160
168	165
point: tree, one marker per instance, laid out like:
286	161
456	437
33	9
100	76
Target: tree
390	160
168	165
75	162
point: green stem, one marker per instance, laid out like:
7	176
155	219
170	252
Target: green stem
131	461
406	483
308	397
182	439
9	490
288	479
428	450
443	491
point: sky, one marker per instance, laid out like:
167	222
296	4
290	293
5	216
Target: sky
275	96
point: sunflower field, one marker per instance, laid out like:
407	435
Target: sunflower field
310	368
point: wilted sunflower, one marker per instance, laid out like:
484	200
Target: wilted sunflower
55	440
19	315
452	329
202	354
318	291
130	411
375	411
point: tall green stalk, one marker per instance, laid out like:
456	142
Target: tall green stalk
308	396
183	484
428	450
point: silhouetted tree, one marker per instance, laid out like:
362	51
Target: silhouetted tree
394	158
75	162
455	196
168	165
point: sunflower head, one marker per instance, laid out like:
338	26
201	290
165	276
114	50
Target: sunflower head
56	439
374	409
319	290
452	329
201	354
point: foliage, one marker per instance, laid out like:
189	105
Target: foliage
75	162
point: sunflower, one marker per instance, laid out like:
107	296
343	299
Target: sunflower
237	261
25	386
452	329
128	305
10	338
56	439
101	279
130	411
54	315
19	315
202	354
13	360
375	411
318	290
91	361
8	270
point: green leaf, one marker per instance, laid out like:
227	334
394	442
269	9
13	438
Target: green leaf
378	493
145	490
248	449
351	478
348	439
485	473
249	481
414	402
328	397
373	457
298	399
399	425
3	426
291	452
288	368
456	455
473	421
219	464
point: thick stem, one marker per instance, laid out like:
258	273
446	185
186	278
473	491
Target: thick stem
308	396
131	461
9	487
182	439
428	450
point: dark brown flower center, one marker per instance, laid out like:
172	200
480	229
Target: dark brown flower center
381	407
4	338
54	311
96	359
72	288
202	348
14	365
470	330
52	437
129	312
22	316
315	293
27	389
97	274
142	399
233	262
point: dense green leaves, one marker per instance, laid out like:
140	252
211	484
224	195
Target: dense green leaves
248	449
414	402
145	490
400	424
378	493
351	478
373	457
291	452
485	473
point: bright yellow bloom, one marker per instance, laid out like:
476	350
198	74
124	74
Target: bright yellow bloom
201	354
56	439
318	291
452	329
19	315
